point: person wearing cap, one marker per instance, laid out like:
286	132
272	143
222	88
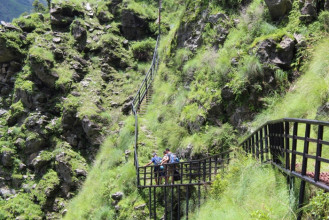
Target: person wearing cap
157	172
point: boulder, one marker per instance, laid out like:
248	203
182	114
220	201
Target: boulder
2	112
62	15
8	53
322	112
6	192
92	130
195	126
214	113
25	96
39	164
63	168
227	93
240	115
104	17
133	27
79	33
308	13
89	10
140	207
58	54
216	17
278	8
117	196
281	55
185	153
189	34
80	172
34	144
43	71
6	158
10	27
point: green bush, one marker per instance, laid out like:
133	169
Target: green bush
324	20
20	207
318	208
143	50
41	54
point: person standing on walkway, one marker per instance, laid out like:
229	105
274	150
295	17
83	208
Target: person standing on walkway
170	167
157	172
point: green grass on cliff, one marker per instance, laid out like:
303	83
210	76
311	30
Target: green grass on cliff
309	92
248	190
256	192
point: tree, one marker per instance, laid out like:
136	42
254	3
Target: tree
38	6
49	2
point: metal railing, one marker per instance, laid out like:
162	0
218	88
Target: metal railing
141	94
194	172
294	146
193	175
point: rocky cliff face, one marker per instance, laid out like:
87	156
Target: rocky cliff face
64	77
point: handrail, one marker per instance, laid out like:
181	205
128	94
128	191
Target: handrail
139	97
193	172
276	142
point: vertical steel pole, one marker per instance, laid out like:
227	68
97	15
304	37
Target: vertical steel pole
266	140
154	207
172	202
261	145
304	169
286	134
318	153
294	147
178	208
150	202
165	200
187	200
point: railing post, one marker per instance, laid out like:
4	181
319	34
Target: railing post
155	201
178	205
304	169
286	134
253	145
294	147
209	169
266	140
318	153
257	145
150	201
261	145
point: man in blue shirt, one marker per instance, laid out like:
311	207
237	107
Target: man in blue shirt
157	171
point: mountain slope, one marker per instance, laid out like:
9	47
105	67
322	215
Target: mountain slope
10	9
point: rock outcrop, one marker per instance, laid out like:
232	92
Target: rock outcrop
62	15
278	8
277	53
8	53
133	26
308	12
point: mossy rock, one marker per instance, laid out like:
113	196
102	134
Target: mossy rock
30	22
20	207
46	188
10	47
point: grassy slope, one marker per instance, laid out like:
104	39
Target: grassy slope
248	190
172	104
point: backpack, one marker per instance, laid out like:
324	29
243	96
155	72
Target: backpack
173	158
176	175
157	160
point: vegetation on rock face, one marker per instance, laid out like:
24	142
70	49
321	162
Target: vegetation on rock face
248	190
68	78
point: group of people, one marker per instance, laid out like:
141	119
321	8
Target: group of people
162	169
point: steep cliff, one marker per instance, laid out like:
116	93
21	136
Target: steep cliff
68	77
